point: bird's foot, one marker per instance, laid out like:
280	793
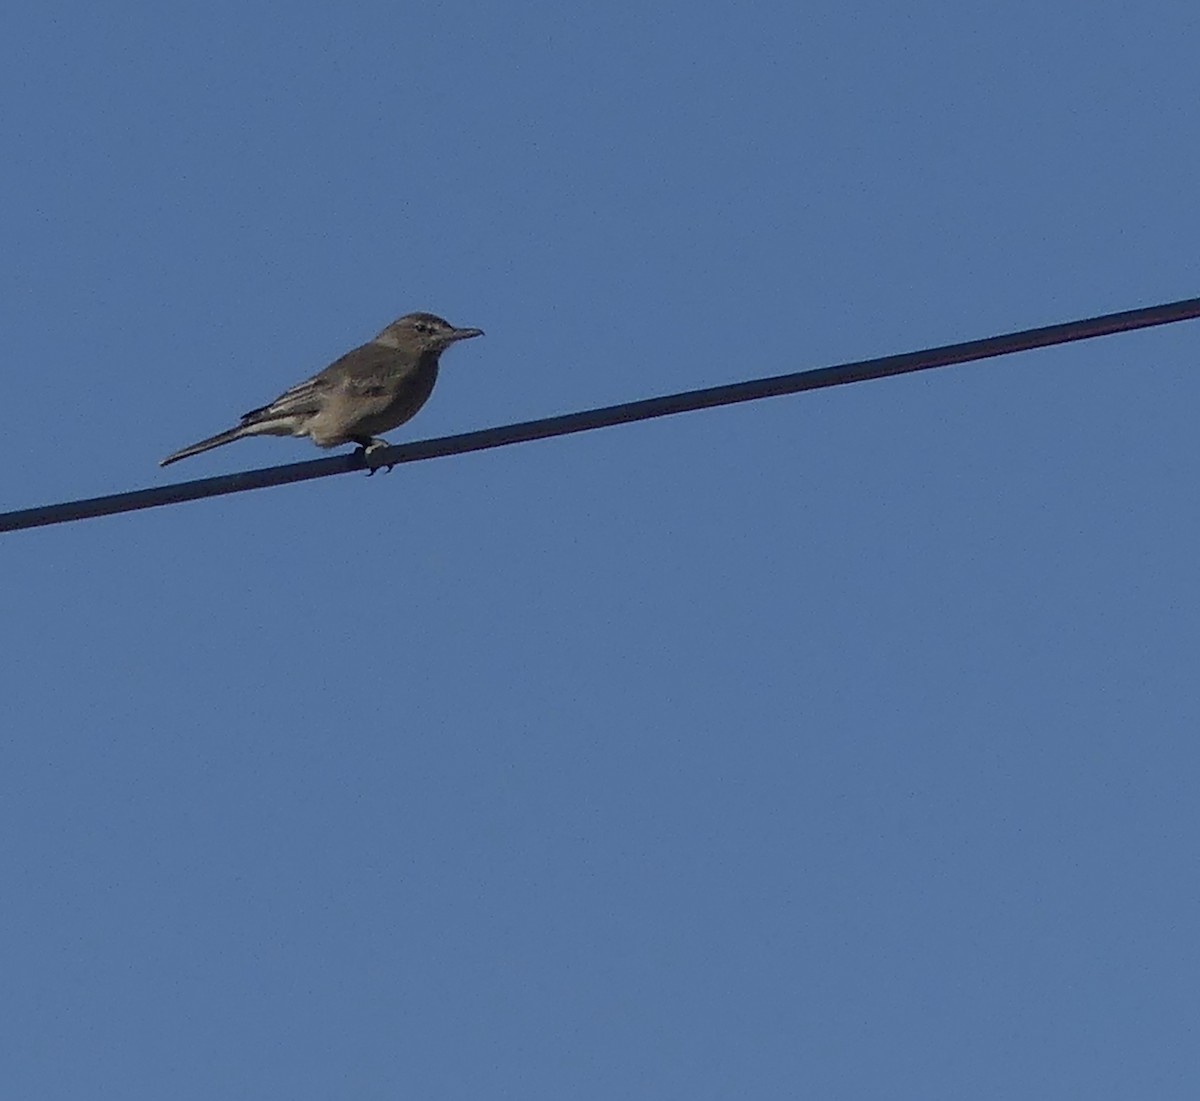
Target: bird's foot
373	455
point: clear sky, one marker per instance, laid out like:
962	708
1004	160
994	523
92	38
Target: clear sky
836	746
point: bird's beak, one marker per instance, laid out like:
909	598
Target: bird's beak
464	334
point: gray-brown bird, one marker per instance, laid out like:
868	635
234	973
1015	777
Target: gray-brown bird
373	389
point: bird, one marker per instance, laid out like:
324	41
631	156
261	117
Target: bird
370	390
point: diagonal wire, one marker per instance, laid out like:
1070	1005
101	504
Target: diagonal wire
665	406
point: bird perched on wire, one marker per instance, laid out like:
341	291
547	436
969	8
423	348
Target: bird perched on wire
373	389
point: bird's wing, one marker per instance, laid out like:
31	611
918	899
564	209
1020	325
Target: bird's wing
301	399
370	373
373	377
367	367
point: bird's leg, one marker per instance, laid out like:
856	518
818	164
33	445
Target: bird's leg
371	446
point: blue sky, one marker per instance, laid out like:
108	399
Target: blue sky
842	745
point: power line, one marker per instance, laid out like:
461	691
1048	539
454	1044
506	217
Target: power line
665	406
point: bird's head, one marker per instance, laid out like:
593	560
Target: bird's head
424	331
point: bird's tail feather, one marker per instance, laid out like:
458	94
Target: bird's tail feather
218	440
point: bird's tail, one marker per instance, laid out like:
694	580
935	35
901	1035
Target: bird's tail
218	440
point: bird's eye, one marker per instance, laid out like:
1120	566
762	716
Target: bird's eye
421	327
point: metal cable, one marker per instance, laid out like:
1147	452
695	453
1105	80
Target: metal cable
668	405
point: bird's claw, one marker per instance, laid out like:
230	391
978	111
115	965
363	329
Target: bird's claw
371	456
